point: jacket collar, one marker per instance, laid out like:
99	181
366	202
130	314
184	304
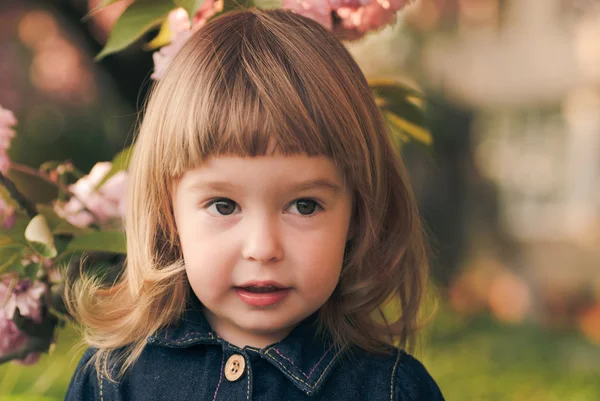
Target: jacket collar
304	357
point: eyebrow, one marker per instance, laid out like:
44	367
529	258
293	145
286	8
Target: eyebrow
321	183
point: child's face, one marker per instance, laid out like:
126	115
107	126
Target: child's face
249	221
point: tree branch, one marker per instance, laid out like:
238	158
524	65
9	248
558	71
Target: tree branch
23	202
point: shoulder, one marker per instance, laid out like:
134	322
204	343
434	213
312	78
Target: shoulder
395	376
84	382
411	381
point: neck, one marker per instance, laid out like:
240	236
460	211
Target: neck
241	337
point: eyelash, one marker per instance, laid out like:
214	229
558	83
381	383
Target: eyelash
318	209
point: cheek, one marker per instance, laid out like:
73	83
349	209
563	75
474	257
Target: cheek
321	260
206	263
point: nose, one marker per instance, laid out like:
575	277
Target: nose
263	242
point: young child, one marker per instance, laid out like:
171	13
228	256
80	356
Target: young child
274	247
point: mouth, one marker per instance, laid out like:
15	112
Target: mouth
262	287
262	294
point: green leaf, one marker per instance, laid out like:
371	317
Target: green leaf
415	132
40	237
398	135
405	110
119	162
17	232
396	99
99	241
402	114
43	249
190	6
10	263
391	88
105	3
31	270
268	4
163	37
136	20
66	228
61	245
229	5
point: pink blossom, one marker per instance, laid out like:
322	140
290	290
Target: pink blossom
357	21
11	338
335	4
318	10
7	215
105	203
25	296
181	29
7	120
357	16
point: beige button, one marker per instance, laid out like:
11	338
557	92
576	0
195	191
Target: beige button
234	368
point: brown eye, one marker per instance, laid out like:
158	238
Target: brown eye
224	207
306	206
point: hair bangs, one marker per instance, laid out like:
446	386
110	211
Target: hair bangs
244	121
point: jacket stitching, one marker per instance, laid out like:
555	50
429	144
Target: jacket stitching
248	391
327	367
101	394
293	375
300	370
184	341
302	381
314	367
288	359
220	378
394	376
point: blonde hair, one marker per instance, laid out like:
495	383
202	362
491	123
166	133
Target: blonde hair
248	83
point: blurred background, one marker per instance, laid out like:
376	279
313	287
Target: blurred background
510	191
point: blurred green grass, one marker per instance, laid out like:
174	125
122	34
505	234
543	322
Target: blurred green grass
470	358
480	358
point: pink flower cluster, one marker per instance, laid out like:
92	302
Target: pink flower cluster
358	20
181	29
25	296
7	120
104	203
356	17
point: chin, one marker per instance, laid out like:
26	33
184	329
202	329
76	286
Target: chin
265	325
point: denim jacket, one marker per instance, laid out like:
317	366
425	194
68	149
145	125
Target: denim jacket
189	361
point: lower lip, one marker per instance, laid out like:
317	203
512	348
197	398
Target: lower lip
262	299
